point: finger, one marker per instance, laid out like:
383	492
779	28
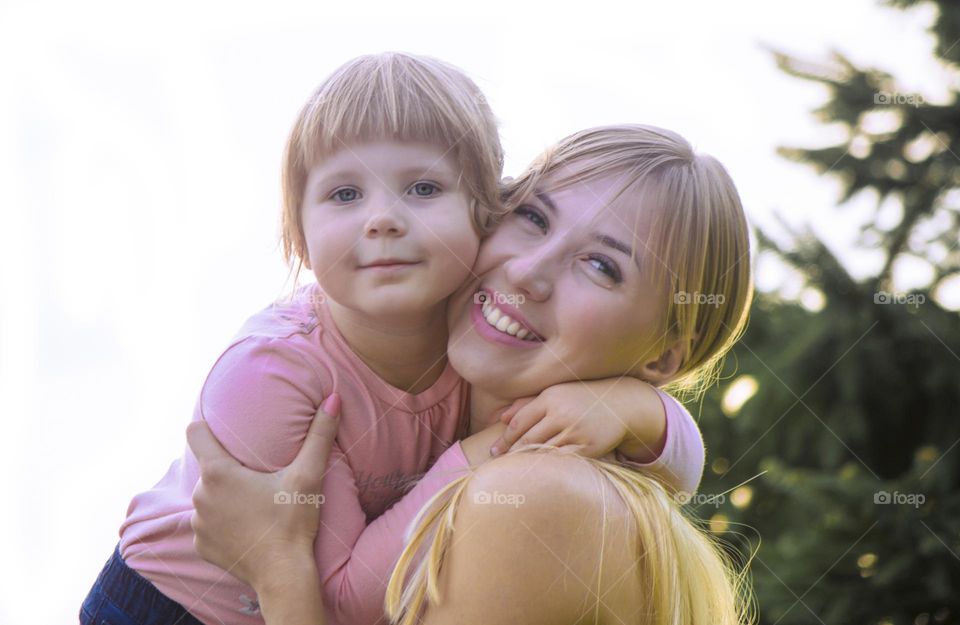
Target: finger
509	413
522	421
562	442
541	432
571	449
205	445
315	453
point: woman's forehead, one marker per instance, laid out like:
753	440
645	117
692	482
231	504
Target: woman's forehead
600	200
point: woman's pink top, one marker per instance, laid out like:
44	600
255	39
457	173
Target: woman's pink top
259	399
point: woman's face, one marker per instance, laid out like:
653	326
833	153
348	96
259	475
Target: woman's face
560	268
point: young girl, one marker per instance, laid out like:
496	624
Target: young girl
390	180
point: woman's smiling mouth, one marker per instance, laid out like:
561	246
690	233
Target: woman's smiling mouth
501	322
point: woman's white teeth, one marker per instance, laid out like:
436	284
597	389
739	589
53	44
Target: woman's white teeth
504	323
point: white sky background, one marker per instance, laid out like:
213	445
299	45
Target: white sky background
139	194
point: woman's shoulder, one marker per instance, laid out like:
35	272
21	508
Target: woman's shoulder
544	483
551	530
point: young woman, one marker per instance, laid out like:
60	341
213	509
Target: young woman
632	255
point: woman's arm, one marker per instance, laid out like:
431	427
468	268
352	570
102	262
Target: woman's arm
352	563
243	524
642	424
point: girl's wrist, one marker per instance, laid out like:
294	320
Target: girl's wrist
476	447
290	594
283	566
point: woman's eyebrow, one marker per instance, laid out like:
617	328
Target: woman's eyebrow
618	245
543	197
603	239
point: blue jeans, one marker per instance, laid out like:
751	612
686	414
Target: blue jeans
121	596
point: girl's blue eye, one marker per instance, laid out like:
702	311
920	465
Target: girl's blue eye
607	266
425	189
345	195
532	215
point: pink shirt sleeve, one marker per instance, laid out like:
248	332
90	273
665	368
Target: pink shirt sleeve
680	464
356	560
259	400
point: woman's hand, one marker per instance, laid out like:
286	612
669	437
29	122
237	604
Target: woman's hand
260	527
590	418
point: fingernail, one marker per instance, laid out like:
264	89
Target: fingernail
494	450
331	405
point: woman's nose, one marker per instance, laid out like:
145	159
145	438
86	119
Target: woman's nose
386	219
531	273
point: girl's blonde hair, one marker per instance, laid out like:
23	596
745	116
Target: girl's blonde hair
401	96
698	248
698	252
688	576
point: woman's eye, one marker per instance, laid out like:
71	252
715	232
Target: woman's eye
425	189
532	215
345	195
606	266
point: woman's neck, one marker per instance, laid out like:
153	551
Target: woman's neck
485	408
409	354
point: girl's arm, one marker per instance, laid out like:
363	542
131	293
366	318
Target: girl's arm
640	423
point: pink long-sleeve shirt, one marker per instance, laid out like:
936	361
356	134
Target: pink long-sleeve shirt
259	399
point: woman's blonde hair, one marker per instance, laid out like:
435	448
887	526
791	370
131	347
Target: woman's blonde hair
698	252
401	96
698	247
689	577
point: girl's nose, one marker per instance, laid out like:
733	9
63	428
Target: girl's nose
386	219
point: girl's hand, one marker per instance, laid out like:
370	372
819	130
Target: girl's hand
260	527
589	418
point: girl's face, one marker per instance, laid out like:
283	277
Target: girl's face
388	228
560	268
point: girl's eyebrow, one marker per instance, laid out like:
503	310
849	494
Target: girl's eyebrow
352	172
440	169
603	239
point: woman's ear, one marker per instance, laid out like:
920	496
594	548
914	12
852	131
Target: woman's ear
662	369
